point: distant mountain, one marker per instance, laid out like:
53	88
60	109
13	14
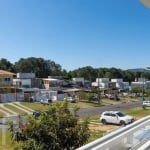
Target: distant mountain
139	70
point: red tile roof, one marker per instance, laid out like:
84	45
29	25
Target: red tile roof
6	72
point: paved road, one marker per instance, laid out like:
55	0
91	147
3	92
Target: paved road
98	110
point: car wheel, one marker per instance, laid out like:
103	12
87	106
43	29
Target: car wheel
122	123
104	121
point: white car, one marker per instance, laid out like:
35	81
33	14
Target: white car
146	103
45	101
115	117
70	99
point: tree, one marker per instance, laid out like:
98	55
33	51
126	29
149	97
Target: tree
6	65
42	68
56	129
87	72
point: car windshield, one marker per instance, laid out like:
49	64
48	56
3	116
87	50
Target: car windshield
120	114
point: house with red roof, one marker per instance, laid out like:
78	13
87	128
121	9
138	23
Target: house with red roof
8	91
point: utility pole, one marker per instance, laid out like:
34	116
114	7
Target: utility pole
98	94
143	82
143	89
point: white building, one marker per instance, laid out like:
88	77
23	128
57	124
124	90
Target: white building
137	85
142	84
117	80
102	83
102	80
126	85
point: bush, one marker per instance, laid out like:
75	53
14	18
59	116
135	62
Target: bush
144	107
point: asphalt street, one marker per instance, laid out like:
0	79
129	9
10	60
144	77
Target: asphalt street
98	110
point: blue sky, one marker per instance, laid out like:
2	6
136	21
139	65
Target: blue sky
76	33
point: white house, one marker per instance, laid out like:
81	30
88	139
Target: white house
119	80
102	80
102	83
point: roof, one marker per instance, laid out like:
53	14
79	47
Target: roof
3	72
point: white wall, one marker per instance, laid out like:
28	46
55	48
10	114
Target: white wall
94	83
103	80
117	80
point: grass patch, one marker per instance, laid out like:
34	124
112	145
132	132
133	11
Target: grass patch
13	108
21	106
95	135
86	104
138	112
6	142
2	114
38	106
110	102
95	117
5	110
35	106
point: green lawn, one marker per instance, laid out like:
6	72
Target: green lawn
15	109
6	142
5	110
138	112
35	106
2	114
95	135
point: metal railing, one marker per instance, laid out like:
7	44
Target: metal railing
117	137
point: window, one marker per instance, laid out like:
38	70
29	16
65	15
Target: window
6	79
113	115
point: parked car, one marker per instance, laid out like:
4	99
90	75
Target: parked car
70	99
45	101
146	103
115	117
112	96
